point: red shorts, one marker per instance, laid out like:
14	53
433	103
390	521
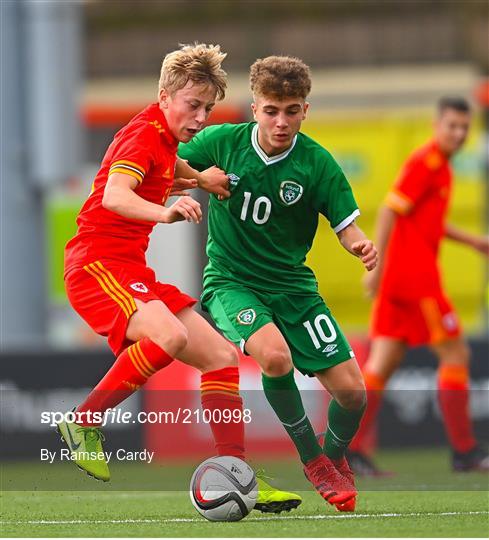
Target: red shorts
103	294
428	320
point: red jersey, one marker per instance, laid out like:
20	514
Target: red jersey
420	197
145	149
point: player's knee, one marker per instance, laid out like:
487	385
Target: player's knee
456	353
172	340
276	362
225	356
354	398
464	354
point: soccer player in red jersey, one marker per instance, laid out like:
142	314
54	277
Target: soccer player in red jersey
149	323
411	307
108	283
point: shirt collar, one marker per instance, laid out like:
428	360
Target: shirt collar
269	160
434	146
164	130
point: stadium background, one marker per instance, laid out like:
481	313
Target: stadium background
76	71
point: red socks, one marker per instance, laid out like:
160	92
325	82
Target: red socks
375	387
220	397
132	369
453	397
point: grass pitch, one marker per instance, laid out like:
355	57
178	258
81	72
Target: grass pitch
423	499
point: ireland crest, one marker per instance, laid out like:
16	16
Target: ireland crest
290	192
246	316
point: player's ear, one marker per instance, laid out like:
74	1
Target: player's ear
163	98
253	110
306	108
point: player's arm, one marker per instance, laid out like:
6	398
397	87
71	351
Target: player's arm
478	242
119	197
385	222
353	239
212	180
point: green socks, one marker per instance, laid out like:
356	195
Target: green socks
284	397
342	426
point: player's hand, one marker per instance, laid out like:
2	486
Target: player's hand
215	180
371	282
180	186
366	252
184	208
481	244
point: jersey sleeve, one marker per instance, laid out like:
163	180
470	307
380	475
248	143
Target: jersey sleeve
411	185
134	151
335	197
198	152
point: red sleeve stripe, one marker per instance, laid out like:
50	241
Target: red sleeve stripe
400	203
127	167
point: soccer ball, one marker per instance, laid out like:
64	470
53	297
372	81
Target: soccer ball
223	488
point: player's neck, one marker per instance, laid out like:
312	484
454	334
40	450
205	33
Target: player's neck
445	151
269	149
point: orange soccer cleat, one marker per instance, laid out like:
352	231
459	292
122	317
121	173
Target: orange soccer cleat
327	481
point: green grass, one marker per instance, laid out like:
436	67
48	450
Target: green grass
422	500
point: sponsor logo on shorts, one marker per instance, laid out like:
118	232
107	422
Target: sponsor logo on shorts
246	316
330	349
139	287
290	192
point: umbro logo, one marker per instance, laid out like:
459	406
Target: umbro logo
235	469
330	349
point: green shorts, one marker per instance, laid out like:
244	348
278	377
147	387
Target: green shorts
314	337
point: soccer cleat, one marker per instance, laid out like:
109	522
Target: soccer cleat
327	481
343	468
473	460
272	500
348	506
362	465
85	445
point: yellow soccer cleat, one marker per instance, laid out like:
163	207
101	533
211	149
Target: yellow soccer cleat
272	500
85	445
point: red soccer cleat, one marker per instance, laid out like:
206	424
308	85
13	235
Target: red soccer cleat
348	506
343	468
327	481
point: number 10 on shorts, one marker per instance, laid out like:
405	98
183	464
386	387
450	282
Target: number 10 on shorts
322	330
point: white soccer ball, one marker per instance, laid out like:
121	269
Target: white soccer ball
223	488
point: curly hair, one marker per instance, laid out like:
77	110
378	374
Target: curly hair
199	63
280	77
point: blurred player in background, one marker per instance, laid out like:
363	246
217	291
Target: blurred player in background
411	307
256	285
149	323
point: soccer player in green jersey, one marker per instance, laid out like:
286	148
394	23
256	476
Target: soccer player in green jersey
257	288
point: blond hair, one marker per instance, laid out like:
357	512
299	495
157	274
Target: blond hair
199	63
280	77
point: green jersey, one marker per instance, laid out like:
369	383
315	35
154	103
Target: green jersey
260	236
